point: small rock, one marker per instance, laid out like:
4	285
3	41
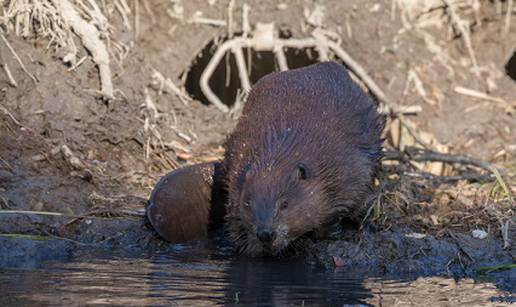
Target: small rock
76	163
38	206
415	235
91	155
435	219
69	59
72	159
479	234
55	150
375	8
38	158
282	6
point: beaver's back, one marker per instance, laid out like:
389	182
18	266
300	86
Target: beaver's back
316	114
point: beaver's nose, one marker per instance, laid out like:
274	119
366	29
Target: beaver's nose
265	236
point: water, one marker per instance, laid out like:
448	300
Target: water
200	276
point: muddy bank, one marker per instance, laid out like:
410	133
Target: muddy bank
405	252
393	253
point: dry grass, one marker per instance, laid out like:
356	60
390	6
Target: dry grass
438	208
61	23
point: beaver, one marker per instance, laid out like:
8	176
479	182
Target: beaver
303	153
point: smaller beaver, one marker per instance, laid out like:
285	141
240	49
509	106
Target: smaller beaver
303	153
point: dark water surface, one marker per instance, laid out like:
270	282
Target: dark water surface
200	275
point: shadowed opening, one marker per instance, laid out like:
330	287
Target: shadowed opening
225	82
510	67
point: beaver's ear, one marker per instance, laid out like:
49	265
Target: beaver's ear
303	172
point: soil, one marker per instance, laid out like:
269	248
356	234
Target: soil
100	198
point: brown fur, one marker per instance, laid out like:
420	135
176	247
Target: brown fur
186	203
303	152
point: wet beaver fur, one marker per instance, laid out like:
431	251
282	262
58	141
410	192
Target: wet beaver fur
302	154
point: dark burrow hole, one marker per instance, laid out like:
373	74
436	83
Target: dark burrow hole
510	67
225	82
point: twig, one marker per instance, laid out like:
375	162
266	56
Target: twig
150	105
246	27
207	21
6	112
122	10
11	169
149	11
352	64
18	58
413	78
471	177
501	267
424	155
413	109
504	229
508	17
7	71
161	81
477	94
74	67
10	77
136	18
5	204
230	30
376	204
465	34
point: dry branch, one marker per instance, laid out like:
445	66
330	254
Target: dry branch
165	83
424	155
473	93
471	177
18	58
90	38
6	112
508	14
460	24
9	75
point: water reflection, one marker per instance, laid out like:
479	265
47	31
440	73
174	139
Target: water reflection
279	283
190	276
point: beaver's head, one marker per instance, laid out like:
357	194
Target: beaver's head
277	203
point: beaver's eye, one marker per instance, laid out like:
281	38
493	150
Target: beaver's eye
303	171
246	204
